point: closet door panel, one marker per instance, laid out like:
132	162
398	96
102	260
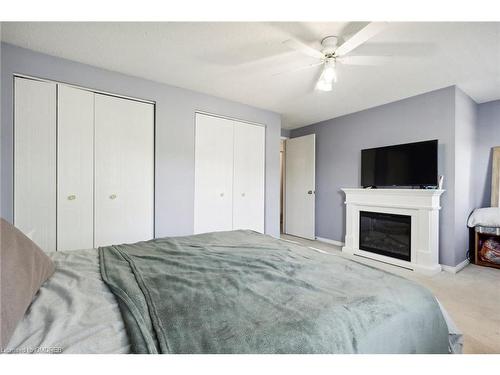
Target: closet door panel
75	169
213	174
35	161
249	166
124	171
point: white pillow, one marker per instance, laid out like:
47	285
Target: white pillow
485	217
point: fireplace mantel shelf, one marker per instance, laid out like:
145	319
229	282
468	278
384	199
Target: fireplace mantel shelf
422	205
423	192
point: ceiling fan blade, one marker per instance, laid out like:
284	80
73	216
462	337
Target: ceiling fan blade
365	60
304	48
299	68
366	33
411	49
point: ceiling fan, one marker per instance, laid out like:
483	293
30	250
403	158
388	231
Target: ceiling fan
331	54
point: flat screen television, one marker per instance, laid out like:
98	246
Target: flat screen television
409	165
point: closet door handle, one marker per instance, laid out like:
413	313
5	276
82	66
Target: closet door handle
113	196
221	194
243	194
71	197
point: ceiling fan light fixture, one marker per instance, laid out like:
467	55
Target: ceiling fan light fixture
322	85
331	51
328	76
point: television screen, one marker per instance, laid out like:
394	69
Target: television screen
411	164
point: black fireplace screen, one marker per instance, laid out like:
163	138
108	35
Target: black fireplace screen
385	234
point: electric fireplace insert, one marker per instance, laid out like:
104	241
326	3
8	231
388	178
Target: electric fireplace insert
385	234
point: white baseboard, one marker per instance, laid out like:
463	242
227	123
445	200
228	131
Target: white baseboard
331	242
457	268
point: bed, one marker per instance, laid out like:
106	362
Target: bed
228	292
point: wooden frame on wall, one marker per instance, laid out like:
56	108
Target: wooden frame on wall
495	177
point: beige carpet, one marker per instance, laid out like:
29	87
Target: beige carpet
471	297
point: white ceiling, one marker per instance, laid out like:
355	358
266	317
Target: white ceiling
238	61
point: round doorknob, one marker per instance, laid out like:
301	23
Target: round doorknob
310	192
221	194
242	194
71	197
112	196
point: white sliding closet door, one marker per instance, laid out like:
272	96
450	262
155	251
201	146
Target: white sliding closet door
213	196
249	166
75	168
35	161
124	170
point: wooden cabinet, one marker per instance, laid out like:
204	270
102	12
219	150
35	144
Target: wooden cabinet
124	170
229	175
75	168
35	161
486	237
213	197
248	178
84	166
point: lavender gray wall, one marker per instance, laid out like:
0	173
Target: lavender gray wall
466	132
175	110
487	136
1	131
466	118
285	132
338	157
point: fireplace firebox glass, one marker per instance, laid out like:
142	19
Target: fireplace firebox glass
385	234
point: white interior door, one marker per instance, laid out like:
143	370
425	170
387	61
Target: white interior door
249	168
300	186
75	169
124	171
35	161
213	192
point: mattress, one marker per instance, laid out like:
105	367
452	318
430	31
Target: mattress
75	312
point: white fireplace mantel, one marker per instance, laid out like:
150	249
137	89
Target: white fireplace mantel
422	205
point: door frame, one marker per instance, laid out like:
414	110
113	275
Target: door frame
96	91
283	140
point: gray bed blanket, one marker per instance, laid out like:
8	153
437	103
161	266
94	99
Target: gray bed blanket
243	292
